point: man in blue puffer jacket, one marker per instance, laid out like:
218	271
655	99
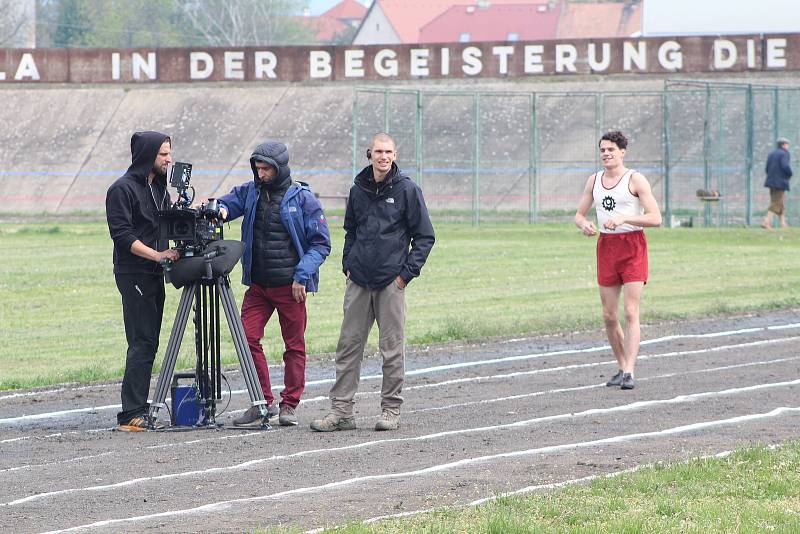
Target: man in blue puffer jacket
286	240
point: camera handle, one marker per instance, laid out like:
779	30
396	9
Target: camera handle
166	265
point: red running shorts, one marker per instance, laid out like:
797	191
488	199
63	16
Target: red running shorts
621	258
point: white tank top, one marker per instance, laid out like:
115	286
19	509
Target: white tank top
615	201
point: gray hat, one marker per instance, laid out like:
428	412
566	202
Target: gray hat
782	141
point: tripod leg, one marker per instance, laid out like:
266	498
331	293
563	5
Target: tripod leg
171	356
242	348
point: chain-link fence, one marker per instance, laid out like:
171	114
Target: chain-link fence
526	155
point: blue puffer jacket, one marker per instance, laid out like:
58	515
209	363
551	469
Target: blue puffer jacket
301	214
778	170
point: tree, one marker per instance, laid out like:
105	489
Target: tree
15	19
246	22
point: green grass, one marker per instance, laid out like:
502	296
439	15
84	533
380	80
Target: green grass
61	317
753	490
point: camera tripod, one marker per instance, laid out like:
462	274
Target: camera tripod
206	292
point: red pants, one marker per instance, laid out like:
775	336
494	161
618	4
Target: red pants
257	307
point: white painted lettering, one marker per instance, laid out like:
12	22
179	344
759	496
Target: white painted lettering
502	53
385	63
233	65
566	54
353	63
319	63
445	55
776	53
419	62
471	56
201	65
27	68
594	64
115	69
265	63
139	66
670	56
634	55
751	54
2	76
533	59
725	54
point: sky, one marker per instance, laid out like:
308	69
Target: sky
320	6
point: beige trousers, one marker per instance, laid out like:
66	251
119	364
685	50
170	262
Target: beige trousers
362	308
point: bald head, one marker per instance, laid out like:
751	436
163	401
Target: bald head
382	138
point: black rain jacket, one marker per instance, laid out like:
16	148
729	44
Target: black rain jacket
132	205
387	229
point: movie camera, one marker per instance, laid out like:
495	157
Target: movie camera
192	229
206	260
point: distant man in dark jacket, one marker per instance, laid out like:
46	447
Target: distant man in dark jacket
388	236
778	173
286	240
132	203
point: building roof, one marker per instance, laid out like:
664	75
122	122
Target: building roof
346	10
324	28
493	23
407	17
614	19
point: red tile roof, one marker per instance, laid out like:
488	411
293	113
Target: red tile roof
324	28
346	9
493	23
583	20
409	16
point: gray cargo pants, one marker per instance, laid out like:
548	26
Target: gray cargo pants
363	307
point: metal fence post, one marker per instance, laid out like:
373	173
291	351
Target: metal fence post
665	140
355	131
419	137
706	162
476	203
748	187
532	163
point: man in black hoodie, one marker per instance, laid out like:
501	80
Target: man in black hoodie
388	236
132	203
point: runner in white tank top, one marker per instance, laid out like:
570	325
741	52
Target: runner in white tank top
616	201
624	204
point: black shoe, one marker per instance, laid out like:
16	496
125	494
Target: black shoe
627	381
616	380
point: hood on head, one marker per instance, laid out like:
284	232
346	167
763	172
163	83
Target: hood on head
272	153
144	149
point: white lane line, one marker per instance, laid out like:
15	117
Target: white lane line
596	364
226	505
70	460
516	424
583	388
46	415
551	370
723	333
451	406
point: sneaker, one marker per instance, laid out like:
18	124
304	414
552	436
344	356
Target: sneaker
332	422
388	421
616	380
140	423
287	416
253	415
627	381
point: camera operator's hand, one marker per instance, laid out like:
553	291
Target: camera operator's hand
298	292
223	213
169	254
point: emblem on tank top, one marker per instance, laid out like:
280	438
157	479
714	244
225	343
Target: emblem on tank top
609	204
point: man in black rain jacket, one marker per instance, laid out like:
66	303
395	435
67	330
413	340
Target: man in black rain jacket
388	236
132	204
